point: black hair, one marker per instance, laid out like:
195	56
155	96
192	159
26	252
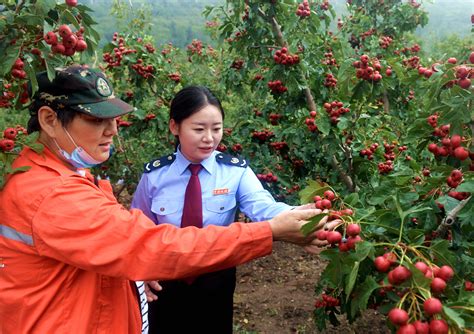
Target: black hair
65	117
190	100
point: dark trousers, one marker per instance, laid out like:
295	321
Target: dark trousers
204	306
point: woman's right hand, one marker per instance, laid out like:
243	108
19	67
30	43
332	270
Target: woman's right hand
286	226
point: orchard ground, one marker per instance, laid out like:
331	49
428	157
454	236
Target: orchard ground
275	294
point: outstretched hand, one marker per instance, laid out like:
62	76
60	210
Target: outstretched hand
286	226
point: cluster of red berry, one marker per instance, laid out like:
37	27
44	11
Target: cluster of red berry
369	152
303	9
385	42
451	146
237	64
325	5
195	47
389	155
464	75
268	177
279	145
146	71
335	237
335	109
70	42
329	59
330	80
366	72
9	136
237	147
263	135
115	59
412	62
284	58
221	147
274	118
17	69
326	301
310	122
454	180
277	86
432	306
176	77
407	50
6	96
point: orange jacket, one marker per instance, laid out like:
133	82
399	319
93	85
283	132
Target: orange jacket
69	252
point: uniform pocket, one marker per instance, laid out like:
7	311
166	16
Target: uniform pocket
220	204
164	207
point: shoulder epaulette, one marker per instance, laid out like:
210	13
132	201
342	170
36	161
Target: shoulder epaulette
160	162
230	160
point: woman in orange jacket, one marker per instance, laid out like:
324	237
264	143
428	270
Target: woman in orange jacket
70	252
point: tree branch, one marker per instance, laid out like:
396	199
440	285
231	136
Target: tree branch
451	218
343	175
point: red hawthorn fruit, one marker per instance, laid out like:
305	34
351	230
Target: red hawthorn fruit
464	83
456	141
70	41
407	329
328	194
421	327
317	198
72	3
58	48
438	285
468	286
81	45
438	326
326	204
353	230
423	267
312	113
10	133
401	274
391	257
64	31
398	317
445	273
51	38
6	145
452	60
351	241
382	264
344	246
471	57
461	153
334	237
321	234
432	306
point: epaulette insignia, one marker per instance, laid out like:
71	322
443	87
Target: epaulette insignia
230	160
158	163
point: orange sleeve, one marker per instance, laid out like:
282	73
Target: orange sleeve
77	224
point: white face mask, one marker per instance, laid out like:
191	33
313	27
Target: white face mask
79	158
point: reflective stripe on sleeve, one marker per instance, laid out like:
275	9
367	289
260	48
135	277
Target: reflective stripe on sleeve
10	233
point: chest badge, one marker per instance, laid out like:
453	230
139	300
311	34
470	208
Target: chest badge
222	191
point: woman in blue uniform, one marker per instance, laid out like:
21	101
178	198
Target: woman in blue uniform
201	304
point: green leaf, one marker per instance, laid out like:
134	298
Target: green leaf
351	280
359	302
454	316
313	222
352	199
364	249
466	187
37	147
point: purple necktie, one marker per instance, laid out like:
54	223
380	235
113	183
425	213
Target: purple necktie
192	210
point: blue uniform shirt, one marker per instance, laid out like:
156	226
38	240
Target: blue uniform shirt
160	193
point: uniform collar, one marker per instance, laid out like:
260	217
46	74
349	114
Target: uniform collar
50	160
182	163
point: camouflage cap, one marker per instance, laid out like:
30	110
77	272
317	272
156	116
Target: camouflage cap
81	89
